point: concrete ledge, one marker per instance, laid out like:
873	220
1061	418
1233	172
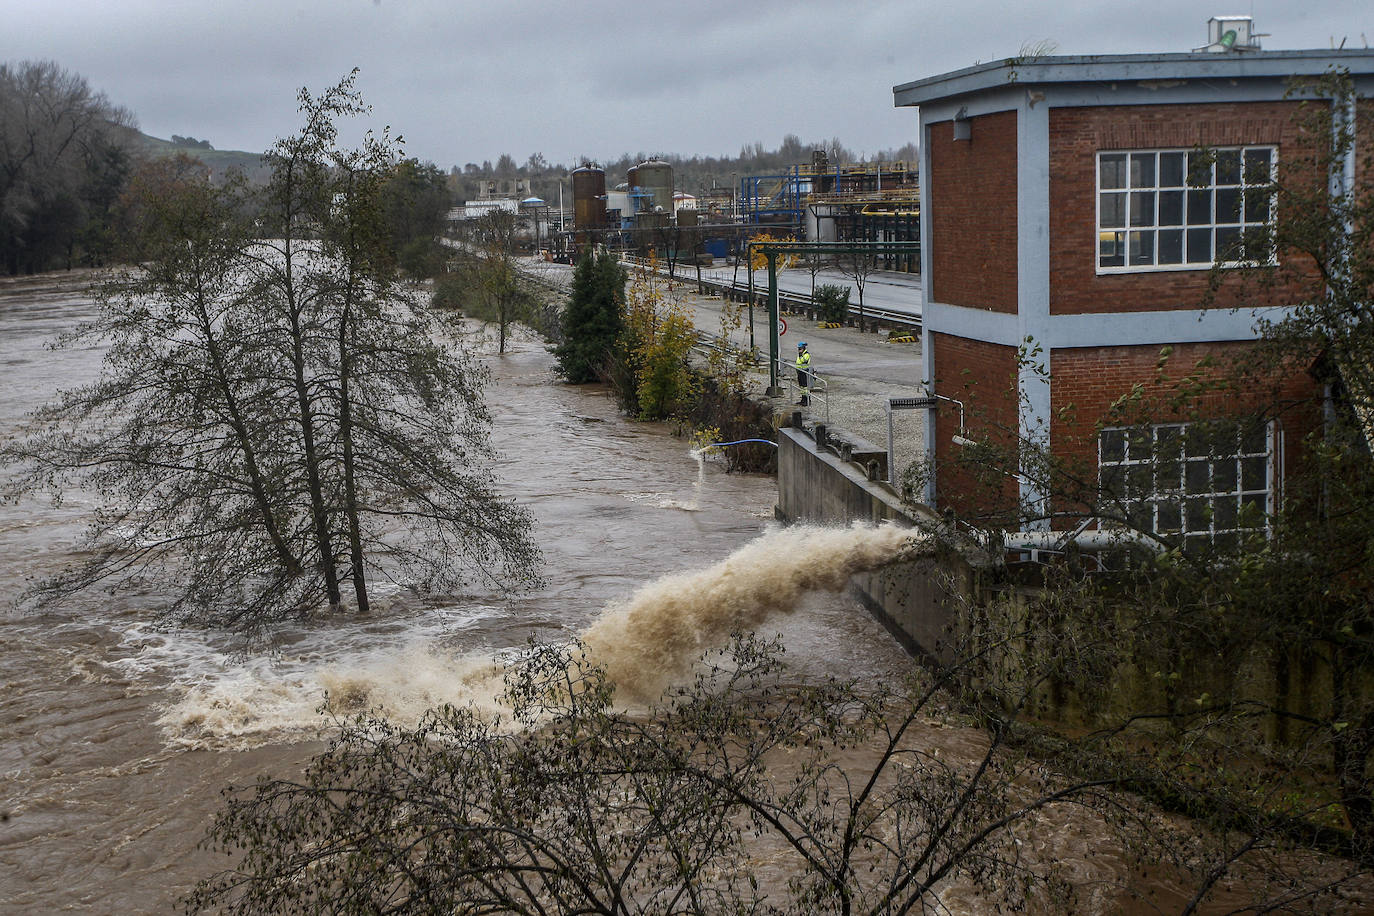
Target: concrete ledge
928	603
816	485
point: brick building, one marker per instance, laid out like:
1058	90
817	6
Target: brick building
1072	209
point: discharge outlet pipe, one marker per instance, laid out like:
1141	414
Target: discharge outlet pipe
1087	540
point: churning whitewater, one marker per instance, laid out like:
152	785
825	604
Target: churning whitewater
646	643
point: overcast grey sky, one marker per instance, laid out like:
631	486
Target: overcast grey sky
467	81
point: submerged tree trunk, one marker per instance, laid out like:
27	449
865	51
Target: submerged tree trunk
355	543
294	307
319	515
290	562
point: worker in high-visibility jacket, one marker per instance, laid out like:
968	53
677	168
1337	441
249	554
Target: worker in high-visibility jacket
804	374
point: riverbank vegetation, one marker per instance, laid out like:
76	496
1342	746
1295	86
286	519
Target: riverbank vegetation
594	318
480	280
70	166
64	161
635	336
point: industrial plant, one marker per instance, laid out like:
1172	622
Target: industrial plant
818	201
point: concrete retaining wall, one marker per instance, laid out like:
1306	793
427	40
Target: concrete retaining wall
815	485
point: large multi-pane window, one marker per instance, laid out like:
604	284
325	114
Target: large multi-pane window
1171	209
1201	483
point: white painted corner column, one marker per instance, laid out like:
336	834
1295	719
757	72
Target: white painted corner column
1033	284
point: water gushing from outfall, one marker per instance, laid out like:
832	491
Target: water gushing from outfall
699	456
653	638
646	642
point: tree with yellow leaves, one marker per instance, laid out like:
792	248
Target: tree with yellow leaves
656	344
757	261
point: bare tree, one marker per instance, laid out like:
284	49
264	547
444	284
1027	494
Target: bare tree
568	805
276	416
813	265
500	282
857	265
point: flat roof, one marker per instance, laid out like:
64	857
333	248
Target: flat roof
1105	68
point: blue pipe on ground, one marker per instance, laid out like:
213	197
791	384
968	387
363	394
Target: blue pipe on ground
740	442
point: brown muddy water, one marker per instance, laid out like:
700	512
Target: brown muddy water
118	737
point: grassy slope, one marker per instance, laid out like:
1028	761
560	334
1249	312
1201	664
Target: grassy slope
219	160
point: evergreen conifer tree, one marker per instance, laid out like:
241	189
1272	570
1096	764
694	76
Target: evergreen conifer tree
594	318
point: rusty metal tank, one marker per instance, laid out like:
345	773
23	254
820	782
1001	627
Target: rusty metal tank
655	177
589	198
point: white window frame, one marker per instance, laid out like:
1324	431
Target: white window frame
1187	506
1132	197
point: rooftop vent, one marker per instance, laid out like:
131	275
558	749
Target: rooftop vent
1231	33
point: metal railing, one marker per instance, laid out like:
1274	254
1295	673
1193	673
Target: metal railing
713	345
787	301
820	387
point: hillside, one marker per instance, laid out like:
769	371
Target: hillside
217	160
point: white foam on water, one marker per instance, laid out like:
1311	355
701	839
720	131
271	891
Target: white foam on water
395	666
259	703
399	670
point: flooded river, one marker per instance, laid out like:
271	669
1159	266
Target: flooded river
118	738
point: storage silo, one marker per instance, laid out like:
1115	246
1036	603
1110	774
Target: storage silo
637	201
655	178
589	198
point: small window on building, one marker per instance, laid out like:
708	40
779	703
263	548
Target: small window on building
1201	484
1171	209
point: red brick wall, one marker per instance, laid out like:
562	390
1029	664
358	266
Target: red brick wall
1077	134
973	214
1087	381
982	376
